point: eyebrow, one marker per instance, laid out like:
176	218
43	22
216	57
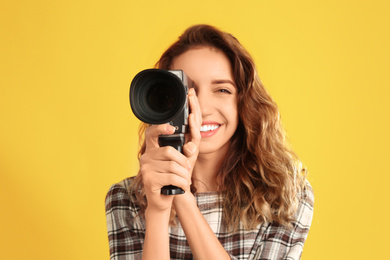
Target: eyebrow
222	81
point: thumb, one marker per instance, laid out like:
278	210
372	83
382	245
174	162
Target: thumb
189	149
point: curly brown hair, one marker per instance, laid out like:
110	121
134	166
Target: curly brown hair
261	177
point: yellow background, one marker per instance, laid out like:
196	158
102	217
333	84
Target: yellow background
67	132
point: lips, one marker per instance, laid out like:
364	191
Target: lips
209	129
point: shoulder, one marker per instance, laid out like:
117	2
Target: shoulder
119	195
304	213
306	196
125	228
280	242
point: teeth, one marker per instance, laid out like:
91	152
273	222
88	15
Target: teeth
206	128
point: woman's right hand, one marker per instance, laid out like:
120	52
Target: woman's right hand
161	166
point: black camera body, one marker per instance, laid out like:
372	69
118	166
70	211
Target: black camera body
160	96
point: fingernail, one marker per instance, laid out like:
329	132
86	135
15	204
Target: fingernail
169	128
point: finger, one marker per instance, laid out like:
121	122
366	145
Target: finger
154	131
172	167
195	118
194	129
165	159
177	181
166	153
195	106
156	181
189	149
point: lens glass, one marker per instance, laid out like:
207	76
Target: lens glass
161	97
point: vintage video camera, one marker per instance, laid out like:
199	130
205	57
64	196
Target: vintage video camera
160	96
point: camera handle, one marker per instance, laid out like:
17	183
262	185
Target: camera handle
177	142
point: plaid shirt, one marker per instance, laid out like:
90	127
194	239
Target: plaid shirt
126	230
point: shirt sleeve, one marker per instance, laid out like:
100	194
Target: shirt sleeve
125	230
279	242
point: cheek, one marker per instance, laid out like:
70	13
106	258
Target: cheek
233	115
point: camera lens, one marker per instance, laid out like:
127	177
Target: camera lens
157	96
161	97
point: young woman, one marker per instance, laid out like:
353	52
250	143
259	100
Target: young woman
246	196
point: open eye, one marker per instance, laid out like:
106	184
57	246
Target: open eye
223	90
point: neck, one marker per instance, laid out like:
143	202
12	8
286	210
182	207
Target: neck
206	170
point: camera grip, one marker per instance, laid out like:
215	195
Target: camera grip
177	142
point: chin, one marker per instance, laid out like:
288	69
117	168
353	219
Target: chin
212	148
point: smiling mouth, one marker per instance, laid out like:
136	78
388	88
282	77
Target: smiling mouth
208	128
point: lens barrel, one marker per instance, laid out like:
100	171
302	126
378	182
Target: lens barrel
157	96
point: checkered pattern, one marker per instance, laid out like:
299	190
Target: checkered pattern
126	230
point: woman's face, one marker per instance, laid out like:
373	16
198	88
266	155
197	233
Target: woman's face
211	72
